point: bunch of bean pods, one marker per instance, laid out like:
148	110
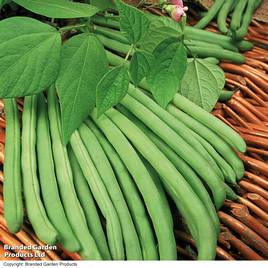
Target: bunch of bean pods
107	194
239	11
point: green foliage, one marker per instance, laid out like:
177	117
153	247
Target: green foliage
58	8
133	23
103	4
140	65
160	29
83	63
29	56
112	88
202	83
32	58
167	69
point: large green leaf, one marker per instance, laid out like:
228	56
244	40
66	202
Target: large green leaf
83	63
29	56
202	83
160	29
59	8
133	23
103	4
112	88
167	70
140	65
3	2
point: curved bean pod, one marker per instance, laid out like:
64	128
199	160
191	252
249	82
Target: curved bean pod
162	226
213	10
87	202
187	201
132	196
180	146
114	232
13	206
243	30
228	134
34	206
222	15
210	136
72	207
180	128
189	175
102	164
48	181
237	14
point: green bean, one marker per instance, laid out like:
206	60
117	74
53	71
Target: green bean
131	195
114	59
88	204
158	184
199	43
237	14
257	3
202	51
213	138
162	226
113	228
190	33
212	60
212	12
34	206
103	166
244	45
243	30
13	205
224	41
227	170
180	146
113	34
72	207
222	15
225	95
230	194
48	181
221	54
186	200
183	131
224	131
189	175
114	44
106	22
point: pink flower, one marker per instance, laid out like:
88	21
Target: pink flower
177	2
176	11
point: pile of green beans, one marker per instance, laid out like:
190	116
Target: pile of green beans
239	11
105	194
200	43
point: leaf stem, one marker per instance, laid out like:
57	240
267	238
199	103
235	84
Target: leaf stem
72	27
129	52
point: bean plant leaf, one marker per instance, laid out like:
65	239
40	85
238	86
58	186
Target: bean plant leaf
140	65
103	4
160	29
62	9
202	83
112	88
29	56
167	70
83	63
4	2
133	23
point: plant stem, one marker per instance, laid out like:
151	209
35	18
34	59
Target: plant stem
129	52
72	27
